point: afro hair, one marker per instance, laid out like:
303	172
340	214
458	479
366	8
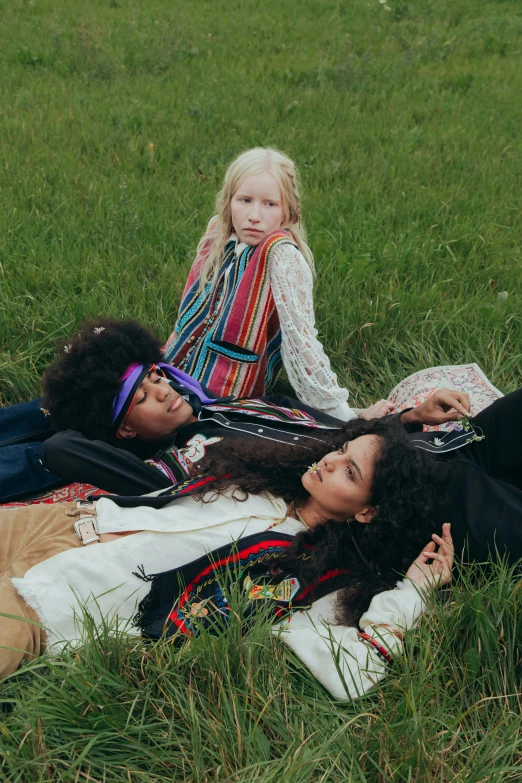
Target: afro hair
81	384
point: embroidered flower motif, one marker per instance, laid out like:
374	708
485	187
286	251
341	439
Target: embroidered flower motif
198	610
196	447
67	348
98	329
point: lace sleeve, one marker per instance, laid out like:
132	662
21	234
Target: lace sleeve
304	359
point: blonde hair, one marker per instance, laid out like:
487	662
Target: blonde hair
248	163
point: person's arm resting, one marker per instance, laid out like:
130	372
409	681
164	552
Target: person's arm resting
76	458
345	662
441	406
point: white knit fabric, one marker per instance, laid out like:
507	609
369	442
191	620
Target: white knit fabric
307	366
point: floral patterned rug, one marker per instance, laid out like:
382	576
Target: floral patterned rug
70	492
462	377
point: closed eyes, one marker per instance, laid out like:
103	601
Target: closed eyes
157	380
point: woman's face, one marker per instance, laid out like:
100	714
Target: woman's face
257	208
340	488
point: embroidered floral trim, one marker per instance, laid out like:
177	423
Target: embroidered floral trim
381	651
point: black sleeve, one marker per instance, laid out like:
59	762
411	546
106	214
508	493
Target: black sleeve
410	428
76	458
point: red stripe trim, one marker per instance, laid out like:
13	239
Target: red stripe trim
251	308
381	651
225	561
196	484
328	575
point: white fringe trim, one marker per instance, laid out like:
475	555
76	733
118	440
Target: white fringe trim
30	596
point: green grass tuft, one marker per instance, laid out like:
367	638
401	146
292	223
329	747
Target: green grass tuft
236	706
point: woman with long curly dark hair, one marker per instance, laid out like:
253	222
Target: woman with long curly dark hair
404	488
330	538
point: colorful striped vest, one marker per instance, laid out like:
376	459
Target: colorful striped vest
228	337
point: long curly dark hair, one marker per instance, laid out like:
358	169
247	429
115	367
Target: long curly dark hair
407	484
81	383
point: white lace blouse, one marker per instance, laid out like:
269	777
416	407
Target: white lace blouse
306	364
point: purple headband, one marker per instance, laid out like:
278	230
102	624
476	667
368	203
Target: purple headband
134	375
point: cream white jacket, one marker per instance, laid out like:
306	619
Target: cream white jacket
100	577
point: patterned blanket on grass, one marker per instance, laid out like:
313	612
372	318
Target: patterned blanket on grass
411	391
467	378
70	492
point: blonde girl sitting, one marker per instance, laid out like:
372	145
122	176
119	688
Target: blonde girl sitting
247	307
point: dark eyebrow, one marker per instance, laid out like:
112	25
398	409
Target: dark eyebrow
357	468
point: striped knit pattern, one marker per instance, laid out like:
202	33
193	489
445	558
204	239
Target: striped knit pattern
268	411
229	337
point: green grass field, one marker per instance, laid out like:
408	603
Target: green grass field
117	120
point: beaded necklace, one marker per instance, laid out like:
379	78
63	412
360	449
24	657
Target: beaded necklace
294	513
